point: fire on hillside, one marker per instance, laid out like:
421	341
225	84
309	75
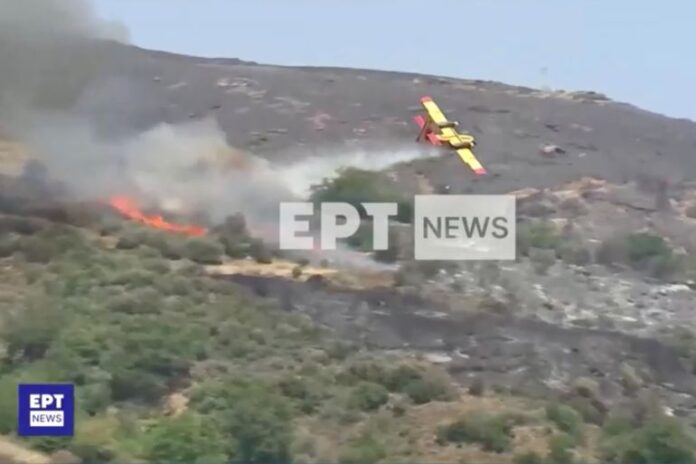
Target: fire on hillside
129	208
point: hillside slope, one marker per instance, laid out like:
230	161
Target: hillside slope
282	112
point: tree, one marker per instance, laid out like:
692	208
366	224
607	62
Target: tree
188	438
254	418
357	186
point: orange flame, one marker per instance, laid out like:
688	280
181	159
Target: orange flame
129	209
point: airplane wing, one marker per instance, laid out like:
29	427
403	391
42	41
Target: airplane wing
449	135
470	159
434	111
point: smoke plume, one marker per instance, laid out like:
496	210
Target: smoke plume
53	81
46	55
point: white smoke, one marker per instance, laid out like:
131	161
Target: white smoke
308	171
52	82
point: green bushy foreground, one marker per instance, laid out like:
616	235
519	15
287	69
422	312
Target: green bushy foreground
138	325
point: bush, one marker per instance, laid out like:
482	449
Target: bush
368	396
364	450
567	419
660	441
203	251
537	234
186	439
133	278
234	236
591	410
641	246
399	378
298	389
426	390
642	251
135	384
493	433
357	186
255	420
260	252
368	371
560	447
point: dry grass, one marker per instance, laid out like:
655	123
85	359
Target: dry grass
284	269
413	435
12	452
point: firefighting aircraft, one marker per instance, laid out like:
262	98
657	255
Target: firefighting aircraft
437	130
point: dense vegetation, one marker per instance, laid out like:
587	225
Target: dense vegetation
172	365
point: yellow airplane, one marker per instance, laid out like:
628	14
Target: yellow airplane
437	130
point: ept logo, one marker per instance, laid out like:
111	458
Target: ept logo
45	410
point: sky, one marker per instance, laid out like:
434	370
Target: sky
637	51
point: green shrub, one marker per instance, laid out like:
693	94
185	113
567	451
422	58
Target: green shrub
368	371
357	186
641	246
186	439
260	252
423	391
256	420
307	397
398	378
560	447
567	419
203	251
641	251
133	278
588	409
660	441
136	385
131	238
368	396
493	433
537	234
364	450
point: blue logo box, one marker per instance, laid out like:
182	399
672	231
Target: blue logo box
45	409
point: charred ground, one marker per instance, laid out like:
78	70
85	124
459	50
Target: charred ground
281	112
